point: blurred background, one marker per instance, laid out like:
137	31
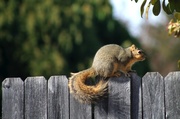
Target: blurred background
54	37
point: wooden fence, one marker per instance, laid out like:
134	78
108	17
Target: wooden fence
153	97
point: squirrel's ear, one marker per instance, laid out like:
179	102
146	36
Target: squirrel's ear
133	46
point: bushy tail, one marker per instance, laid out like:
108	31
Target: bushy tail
85	93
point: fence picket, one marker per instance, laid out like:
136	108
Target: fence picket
79	111
101	109
153	96
172	95
136	98
12	98
35	98
58	98
119	98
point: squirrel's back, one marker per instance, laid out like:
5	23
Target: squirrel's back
105	59
107	52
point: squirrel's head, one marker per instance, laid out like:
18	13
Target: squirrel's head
137	54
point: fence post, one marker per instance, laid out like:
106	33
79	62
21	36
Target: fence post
153	96
58	98
136	97
172	95
119	103
157	97
124	94
35	98
78	110
101	106
12	98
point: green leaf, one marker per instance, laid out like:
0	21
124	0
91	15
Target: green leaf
153	2
177	6
177	15
136	1
179	64
157	8
166	8
171	5
142	7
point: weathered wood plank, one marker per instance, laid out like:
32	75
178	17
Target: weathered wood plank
78	110
101	109
153	96
172	95
124	101
119	98
12	98
136	98
58	98
35	98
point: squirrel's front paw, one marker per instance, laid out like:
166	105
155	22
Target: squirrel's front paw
133	71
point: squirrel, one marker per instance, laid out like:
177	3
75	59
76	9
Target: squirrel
110	61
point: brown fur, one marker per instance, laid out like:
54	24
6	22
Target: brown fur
109	61
82	92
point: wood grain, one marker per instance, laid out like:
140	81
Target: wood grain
119	98
136	98
79	110
58	98
35	98
101	109
153	96
12	98
172	95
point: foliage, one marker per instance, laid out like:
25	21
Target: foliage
174	27
172	7
49	37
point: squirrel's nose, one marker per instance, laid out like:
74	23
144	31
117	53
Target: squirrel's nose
140	52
